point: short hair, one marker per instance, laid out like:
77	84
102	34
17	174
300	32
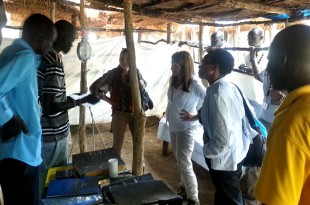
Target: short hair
65	27
124	50
36	23
223	59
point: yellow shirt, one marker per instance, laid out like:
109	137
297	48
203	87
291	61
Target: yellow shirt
285	175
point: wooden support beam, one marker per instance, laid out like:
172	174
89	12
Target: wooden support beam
169	29
83	87
52	11
200	39
254	7
139	117
246	48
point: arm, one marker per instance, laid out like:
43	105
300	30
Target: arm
200	92
107	99
254	64
105	80
50	106
142	82
186	116
277	95
219	136
52	86
10	76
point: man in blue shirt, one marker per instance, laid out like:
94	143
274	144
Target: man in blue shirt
20	136
223	118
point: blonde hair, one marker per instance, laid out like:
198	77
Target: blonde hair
184	59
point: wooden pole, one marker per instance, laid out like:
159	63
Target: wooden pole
139	116
83	88
52	11
139	37
200	39
169	33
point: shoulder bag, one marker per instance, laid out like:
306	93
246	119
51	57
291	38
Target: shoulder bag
257	149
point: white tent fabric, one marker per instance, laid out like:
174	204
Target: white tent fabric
153	61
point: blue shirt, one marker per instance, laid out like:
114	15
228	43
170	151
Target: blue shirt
19	96
223	118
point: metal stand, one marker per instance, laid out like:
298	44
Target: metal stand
93	131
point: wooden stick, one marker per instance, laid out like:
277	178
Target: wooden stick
246	48
195	45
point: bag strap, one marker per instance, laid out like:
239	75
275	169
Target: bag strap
248	112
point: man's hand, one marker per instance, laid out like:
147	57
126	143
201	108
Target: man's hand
252	53
12	128
277	95
92	99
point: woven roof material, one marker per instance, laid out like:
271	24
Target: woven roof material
153	14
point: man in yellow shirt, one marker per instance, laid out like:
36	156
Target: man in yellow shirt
285	173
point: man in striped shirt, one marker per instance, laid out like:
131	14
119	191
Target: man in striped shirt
53	98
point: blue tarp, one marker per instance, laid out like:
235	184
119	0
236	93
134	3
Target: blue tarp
302	13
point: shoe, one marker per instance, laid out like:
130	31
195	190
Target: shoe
181	191
193	202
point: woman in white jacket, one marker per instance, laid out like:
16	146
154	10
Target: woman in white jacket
184	94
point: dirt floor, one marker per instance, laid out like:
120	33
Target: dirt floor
161	167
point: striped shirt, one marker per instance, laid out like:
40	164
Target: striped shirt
51	80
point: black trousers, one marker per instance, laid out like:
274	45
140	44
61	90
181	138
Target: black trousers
18	182
227	185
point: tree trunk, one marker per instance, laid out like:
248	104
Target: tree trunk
139	116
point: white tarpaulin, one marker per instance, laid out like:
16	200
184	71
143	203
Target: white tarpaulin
154	62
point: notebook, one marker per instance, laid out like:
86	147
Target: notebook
72	187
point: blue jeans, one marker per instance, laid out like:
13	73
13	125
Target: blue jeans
55	153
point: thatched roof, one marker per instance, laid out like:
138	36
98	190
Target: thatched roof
155	14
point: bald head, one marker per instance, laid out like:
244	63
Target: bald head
289	62
255	37
217	39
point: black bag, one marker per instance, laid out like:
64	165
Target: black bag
256	153
146	101
257	149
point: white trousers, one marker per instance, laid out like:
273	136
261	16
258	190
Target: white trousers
183	146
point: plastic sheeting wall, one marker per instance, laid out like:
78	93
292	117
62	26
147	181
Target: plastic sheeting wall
154	62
